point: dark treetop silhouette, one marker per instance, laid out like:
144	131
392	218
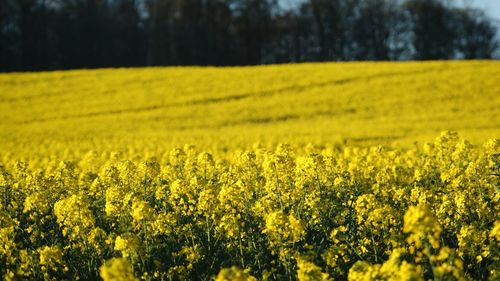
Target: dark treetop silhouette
62	34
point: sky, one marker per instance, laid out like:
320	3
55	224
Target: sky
492	7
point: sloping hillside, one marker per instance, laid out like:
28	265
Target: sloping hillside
330	102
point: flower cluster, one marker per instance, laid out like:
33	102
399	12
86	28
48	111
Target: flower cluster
290	212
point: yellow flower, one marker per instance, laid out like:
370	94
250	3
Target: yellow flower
363	271
74	215
422	226
495	231
308	271
283	229
394	269
446	264
141	211
234	274
51	261
128	245
117	269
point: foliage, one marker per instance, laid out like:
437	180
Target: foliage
68	34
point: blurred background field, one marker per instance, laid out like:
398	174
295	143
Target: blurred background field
149	110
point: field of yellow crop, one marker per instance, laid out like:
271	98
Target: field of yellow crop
227	108
334	171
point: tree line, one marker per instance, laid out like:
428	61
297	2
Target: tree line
63	34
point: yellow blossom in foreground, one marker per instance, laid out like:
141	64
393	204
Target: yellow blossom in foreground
52	261
279	213
141	211
495	231
422	226
283	229
128	245
117	269
234	274
308	271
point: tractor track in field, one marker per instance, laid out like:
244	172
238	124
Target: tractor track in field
234	97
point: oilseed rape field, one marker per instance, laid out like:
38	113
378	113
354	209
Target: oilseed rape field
329	171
